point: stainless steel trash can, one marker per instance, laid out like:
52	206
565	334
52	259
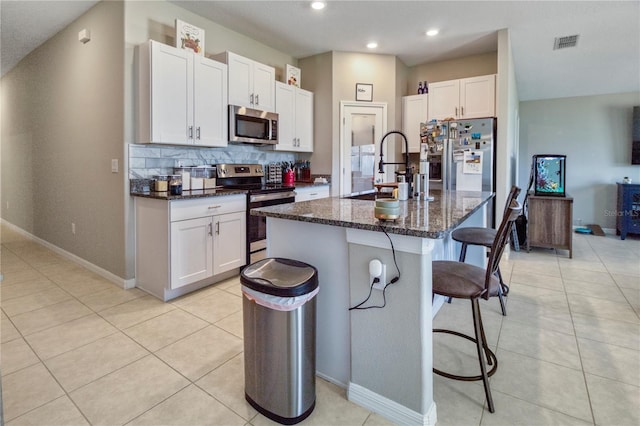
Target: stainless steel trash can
279	313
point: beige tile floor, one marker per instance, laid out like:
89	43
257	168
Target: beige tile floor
77	350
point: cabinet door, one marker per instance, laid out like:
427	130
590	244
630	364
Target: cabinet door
210	100
229	247
444	98
304	120
191	251
240	80
264	78
285	107
414	112
478	97
171	94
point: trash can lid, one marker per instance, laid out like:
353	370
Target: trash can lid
280	277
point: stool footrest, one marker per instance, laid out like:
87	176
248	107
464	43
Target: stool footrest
492	360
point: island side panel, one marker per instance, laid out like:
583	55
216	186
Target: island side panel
324	247
392	346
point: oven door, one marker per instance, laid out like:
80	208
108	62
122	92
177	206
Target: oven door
257	225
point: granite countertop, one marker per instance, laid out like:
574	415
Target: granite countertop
186	195
425	219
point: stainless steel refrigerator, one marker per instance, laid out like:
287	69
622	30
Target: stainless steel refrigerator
462	155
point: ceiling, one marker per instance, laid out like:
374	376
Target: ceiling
605	60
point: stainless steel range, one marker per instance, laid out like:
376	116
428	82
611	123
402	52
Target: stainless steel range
259	194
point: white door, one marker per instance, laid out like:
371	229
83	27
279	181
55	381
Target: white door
285	107
304	120
264	78
172	94
478	97
240	74
229	241
444	99
210	96
191	251
362	127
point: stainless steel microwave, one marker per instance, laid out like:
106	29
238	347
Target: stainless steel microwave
252	126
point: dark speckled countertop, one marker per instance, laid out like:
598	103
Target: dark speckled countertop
425	219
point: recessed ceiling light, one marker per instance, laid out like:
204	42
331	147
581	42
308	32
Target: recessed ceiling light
372	45
431	33
318	5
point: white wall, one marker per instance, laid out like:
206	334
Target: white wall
594	132
62	124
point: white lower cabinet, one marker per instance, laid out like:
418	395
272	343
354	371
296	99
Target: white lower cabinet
183	245
191	251
306	193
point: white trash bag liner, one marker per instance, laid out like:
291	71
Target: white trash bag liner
278	303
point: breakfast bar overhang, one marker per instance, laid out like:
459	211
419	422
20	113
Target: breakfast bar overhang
381	355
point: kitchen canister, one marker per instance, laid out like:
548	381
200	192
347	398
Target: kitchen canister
175	185
161	183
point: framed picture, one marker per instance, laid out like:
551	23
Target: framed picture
364	92
292	75
189	37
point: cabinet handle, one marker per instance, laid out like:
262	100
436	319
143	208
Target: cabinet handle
210	229
461	111
217	228
251	99
298	141
214	207
190	132
198	132
257	99
456	111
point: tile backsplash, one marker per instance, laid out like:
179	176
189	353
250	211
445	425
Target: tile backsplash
148	160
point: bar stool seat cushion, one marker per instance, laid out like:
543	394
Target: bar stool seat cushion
475	236
461	280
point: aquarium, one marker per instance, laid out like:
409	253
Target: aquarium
550	174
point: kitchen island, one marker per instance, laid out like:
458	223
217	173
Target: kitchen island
383	356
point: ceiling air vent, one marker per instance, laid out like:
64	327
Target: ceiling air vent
566	41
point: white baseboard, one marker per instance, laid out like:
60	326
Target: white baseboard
124	283
389	409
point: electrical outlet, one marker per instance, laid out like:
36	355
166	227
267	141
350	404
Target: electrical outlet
114	165
382	277
73	228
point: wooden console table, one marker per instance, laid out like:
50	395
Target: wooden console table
549	222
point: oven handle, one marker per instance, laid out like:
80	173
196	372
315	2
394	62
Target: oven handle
256	198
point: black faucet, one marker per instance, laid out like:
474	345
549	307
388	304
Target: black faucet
382	163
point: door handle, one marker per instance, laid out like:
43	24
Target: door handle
251	99
257	99
210	229
190	132
198	132
456	111
461	111
217	228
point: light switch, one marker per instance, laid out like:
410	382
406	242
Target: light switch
114	165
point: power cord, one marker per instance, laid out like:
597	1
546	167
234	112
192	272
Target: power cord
377	280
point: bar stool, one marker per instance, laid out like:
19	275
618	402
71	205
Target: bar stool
464	281
478	236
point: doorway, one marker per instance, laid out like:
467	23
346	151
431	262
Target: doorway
362	126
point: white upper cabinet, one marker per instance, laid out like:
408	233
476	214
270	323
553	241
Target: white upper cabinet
182	97
414	111
210	102
465	98
251	84
295	118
